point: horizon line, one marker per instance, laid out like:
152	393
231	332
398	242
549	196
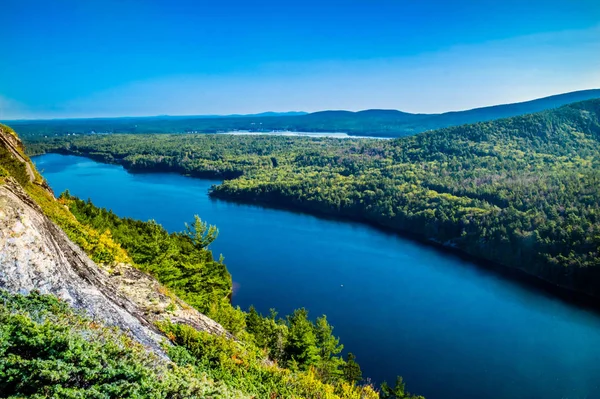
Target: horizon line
300	113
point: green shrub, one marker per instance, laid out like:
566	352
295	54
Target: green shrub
48	350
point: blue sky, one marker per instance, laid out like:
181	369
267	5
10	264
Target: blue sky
66	58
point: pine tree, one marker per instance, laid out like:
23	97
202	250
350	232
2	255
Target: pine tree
201	234
329	346
352	372
302	342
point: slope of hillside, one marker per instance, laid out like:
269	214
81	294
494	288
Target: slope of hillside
389	123
40	256
520	192
506	110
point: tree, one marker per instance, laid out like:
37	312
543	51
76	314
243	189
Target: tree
352	372
398	392
301	345
201	234
329	346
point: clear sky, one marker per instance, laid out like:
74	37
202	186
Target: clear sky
75	58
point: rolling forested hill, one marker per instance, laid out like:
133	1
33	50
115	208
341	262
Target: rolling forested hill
522	192
388	123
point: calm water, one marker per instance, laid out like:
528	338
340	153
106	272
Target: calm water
451	329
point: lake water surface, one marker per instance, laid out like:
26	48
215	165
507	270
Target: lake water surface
451	329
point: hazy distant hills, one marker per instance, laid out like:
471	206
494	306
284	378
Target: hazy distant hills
508	110
374	122
259	115
398	123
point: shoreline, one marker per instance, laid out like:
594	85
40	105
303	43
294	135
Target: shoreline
513	274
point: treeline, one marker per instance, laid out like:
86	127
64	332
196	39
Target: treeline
522	192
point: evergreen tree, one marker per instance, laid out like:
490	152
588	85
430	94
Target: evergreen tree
329	346
201	234
398	392
302	342
352	372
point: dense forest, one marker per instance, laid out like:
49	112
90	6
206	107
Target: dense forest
47	349
522	192
374	122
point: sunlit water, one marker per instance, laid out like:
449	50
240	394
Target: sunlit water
450	328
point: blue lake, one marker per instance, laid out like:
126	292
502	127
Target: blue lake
450	328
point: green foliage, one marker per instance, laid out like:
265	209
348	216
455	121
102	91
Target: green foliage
201	234
232	318
397	392
298	343
351	370
100	247
10	166
522	192
301	346
268	334
330	364
244	367
180	261
47	350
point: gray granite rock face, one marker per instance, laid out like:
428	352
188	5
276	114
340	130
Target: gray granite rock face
35	254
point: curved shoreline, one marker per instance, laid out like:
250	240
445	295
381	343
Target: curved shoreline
512	273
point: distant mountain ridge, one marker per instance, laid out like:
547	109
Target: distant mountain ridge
530	106
372	122
258	115
415	123
521	108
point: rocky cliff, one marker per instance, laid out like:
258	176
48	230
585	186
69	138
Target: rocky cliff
35	254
